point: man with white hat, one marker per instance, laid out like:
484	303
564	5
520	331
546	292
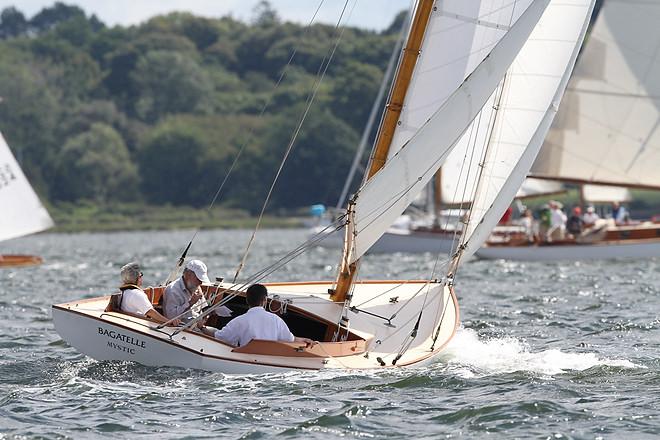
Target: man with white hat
184	296
590	217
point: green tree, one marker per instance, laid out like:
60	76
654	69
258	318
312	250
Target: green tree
48	18
95	165
170	83
12	23
317	166
28	114
354	89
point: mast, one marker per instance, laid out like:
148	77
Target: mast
382	145
437	196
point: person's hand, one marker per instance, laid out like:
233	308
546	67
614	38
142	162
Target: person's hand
174	322
309	343
196	297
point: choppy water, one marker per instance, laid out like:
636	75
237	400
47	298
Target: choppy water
561	350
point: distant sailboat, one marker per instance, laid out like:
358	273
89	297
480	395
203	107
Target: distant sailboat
21	212
606	136
519	74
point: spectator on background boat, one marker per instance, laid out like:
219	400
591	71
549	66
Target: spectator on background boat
545	218
256	323
619	213
133	299
183	298
574	224
527	222
557	229
590	217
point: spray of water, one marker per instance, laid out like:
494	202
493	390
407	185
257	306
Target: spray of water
469	356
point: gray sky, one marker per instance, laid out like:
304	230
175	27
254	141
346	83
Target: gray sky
371	14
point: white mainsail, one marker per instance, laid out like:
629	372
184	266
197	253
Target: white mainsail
531	94
459	35
391	190
608	128
21	212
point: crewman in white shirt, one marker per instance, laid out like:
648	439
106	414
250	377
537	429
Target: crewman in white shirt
256	323
133	299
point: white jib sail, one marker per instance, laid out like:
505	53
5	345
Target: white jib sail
21	212
459	35
385	196
608	127
532	91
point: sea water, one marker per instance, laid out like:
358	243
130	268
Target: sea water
545	350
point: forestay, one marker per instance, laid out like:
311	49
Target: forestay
530	97
22	212
391	190
608	128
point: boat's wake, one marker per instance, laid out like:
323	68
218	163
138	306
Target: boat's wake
469	356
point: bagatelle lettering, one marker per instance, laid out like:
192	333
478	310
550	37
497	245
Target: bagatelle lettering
121	337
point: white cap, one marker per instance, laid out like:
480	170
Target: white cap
199	268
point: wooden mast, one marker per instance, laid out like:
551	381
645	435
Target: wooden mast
386	133
437	196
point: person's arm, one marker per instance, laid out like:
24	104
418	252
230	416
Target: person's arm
155	316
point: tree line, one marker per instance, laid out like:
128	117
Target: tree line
156	113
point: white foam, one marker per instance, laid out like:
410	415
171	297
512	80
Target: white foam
470	356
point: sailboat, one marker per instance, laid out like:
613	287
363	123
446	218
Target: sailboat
519	74
605	138
22	212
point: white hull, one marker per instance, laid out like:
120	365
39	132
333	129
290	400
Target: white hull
116	336
586	251
399	240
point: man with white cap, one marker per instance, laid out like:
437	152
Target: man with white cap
590	217
184	296
133	299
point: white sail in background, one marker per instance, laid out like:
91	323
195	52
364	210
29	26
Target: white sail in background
536	187
608	127
392	189
459	35
532	91
605	194
21	212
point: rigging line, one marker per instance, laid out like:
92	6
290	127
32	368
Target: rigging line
442	318
480	179
413	334
254	278
294	136
490	130
372	115
247	139
268	102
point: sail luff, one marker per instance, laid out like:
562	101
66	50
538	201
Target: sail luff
400	87
348	265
